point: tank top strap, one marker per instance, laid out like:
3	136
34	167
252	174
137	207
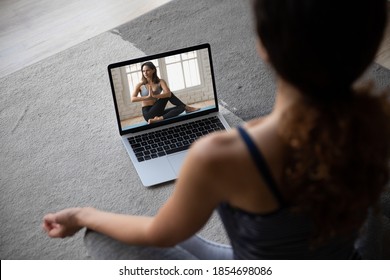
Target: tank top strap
262	166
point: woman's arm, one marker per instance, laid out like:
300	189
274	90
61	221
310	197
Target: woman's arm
121	227
193	201
187	210
166	92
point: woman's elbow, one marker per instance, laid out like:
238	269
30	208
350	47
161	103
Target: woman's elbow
165	243
161	241
156	239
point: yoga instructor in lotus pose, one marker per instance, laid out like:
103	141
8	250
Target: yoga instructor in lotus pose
154	94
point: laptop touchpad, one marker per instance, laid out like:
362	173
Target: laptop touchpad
176	161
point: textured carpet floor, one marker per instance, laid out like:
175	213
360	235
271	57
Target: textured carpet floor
244	82
59	144
60	147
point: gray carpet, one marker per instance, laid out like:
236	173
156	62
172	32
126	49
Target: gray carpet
244	83
60	147
59	144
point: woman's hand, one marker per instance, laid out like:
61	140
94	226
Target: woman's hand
151	96
62	224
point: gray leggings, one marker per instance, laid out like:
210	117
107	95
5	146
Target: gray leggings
102	247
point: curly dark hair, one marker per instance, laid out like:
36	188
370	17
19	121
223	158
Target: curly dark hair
338	134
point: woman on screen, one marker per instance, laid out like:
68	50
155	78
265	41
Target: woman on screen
154	94
295	184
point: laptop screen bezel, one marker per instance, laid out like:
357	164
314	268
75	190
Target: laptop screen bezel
157	56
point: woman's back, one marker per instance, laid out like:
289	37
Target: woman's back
255	212
280	233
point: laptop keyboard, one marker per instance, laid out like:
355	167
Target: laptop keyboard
173	139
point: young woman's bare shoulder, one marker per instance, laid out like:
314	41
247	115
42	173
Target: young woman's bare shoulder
217	147
217	157
139	85
163	82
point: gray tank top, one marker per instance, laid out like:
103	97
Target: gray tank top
145	91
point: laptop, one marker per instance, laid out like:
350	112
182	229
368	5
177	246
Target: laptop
157	145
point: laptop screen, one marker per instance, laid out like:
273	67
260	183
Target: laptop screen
163	88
